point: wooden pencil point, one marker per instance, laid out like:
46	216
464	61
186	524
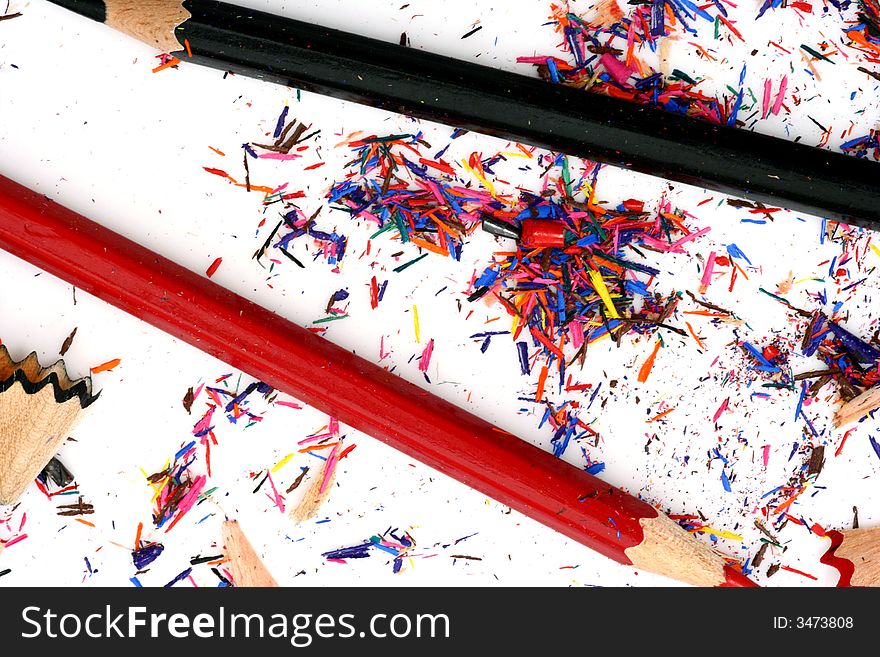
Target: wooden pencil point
248	570
857	408
38	408
150	21
314	497
856	554
669	550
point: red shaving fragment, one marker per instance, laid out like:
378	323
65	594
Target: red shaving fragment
798	572
374	293
214	267
843	442
732	28
773	43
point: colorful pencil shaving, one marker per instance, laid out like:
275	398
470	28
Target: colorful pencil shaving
234	404
594	286
865	146
869	13
591	287
12	531
567	428
331	442
864	37
393	542
180	486
416	199
295	225
394	185
853	364
604	57
869	22
177	489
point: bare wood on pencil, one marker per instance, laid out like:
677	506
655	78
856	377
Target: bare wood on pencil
38	408
32	429
36	372
248	570
314	498
669	550
150	21
862	548
857	408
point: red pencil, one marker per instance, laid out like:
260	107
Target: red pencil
357	392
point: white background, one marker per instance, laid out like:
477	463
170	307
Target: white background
84	120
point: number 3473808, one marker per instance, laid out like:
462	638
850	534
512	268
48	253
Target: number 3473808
813	622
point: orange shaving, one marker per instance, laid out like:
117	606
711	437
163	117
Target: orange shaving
695	336
106	367
659	415
705	313
539	393
171	62
645	370
314	448
430	246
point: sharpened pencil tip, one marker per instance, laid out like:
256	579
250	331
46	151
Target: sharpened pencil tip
501	228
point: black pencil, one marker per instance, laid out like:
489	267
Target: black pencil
355	68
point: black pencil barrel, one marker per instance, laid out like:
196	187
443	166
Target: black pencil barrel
766	169
94	9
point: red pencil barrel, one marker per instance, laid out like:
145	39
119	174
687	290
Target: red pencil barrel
321	374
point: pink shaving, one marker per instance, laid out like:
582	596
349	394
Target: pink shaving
780	96
721	409
765	105
616	69
279	156
425	361
330	467
707	273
